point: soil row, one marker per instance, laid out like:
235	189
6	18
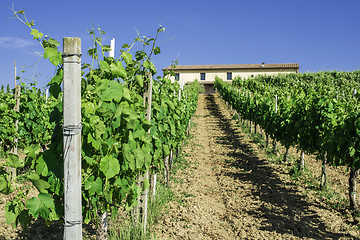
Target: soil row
230	190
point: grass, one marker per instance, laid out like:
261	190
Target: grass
123	228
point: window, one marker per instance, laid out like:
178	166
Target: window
177	76
202	76
229	76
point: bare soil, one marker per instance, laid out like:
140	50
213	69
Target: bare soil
231	190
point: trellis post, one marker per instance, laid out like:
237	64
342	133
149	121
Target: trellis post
72	138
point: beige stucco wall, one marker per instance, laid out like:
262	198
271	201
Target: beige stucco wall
191	75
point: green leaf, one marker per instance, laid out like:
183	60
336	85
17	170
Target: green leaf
10	218
33	206
127	57
54	55
40	184
89	107
140	158
148	159
42	205
24	218
89	182
93	142
5	185
113	91
106	48
157	50
139	134
166	150
20	12
118	70
128	156
50	42
150	65
109	106
147	64
104	66
46	200
55	89
96	187
32	151
36	34
109	166
14	161
126	94
100	129
140	80
125	45
146	184
352	151
41	167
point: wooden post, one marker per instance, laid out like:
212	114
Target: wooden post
352	188
72	138
172	156
302	161
286	155
276	110
141	208
166	170
16	109
153	185
354	173
148	95
323	172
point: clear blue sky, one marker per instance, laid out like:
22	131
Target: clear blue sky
317	34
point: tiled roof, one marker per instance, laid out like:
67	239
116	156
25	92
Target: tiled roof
235	66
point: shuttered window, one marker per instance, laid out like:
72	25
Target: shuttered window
229	76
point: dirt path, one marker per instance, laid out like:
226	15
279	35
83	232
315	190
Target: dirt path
228	192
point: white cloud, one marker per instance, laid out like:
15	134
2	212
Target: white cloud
15	42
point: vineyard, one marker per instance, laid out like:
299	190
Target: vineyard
318	113
234	187
133	129
132	126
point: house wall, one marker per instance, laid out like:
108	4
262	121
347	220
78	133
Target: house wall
191	75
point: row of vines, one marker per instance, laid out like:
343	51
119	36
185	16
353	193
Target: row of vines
118	143
318	113
34	126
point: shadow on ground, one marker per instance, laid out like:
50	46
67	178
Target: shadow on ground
39	230
284	209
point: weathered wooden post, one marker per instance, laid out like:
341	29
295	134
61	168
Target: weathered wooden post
143	199
72	138
16	109
302	161
148	95
276	110
354	173
323	170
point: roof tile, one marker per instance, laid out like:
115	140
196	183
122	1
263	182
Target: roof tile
235	66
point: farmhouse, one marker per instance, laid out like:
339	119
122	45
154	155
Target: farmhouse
206	73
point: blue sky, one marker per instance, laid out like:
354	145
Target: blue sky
317	34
